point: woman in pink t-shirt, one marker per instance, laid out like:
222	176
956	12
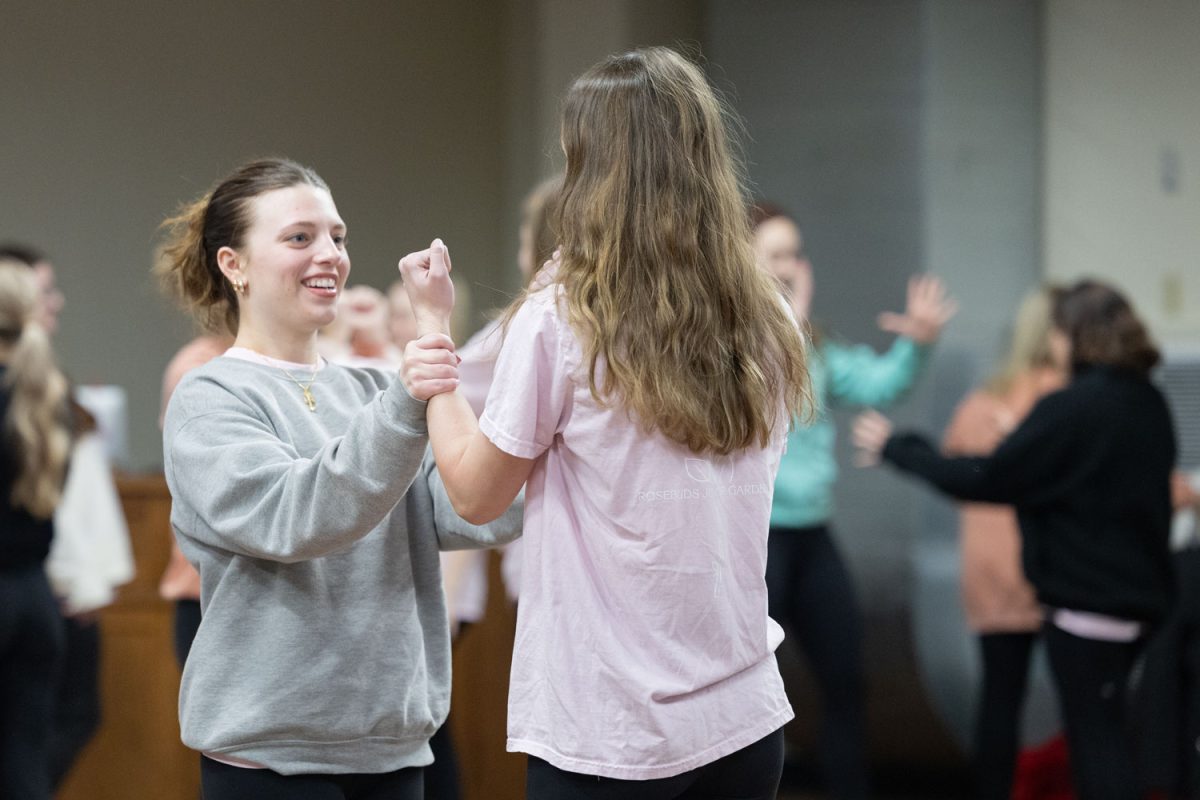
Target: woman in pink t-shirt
642	396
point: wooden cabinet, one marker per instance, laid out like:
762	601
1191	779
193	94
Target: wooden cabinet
137	754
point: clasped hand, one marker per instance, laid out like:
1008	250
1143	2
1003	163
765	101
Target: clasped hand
430	363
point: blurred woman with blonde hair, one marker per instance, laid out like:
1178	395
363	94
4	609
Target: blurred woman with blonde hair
36	441
1001	607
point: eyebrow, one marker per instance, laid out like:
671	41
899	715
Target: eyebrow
304	223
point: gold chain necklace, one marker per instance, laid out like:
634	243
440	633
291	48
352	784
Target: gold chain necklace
309	400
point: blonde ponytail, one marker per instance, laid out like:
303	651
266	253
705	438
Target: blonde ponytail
36	424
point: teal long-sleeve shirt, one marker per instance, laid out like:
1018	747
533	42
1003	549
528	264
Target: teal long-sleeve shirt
842	375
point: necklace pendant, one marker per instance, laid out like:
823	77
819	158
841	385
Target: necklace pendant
309	400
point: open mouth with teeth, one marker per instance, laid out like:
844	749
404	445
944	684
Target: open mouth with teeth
325	287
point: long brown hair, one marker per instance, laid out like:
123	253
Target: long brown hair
657	262
1104	329
36	426
187	260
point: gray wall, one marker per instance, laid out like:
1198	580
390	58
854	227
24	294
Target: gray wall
981	184
116	112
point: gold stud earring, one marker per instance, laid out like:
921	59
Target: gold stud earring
239	285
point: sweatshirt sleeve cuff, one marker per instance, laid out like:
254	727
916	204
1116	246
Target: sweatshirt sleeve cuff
405	410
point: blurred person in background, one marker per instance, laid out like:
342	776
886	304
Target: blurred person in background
90	555
50	298
36	442
809	588
1001	606
361	336
1089	473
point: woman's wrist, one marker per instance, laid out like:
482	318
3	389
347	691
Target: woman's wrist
427	324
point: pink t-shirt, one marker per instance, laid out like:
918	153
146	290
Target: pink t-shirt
643	645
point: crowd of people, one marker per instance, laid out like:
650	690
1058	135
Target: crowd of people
645	430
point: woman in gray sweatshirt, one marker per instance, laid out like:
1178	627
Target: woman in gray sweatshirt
302	493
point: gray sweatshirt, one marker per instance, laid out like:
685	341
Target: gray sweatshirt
324	645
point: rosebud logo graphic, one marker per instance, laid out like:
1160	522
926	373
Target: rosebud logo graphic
718	470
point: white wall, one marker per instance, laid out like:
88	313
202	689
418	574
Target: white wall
1122	152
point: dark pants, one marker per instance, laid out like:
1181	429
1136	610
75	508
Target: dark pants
751	773
441	777
223	782
810	593
76	697
1166	709
1092	679
31	643
1006	659
187	622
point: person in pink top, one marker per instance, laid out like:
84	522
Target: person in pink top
1001	606
642	396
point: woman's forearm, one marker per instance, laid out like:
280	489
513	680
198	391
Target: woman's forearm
452	426
481	479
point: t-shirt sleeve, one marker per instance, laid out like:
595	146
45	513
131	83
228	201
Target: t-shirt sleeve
532	388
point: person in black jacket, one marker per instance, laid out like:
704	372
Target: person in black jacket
34	444
1089	472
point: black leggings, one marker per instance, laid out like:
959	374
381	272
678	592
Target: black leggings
810	593
224	782
31	644
76	697
187	622
998	719
1092	678
751	773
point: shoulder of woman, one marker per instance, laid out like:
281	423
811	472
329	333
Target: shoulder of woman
222	384
543	310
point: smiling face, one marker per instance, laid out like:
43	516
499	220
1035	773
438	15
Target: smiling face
294	263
